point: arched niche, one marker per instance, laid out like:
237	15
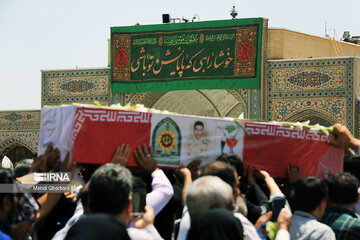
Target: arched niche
315	116
16	149
211	103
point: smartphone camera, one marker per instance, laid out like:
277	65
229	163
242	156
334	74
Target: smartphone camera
277	204
138	197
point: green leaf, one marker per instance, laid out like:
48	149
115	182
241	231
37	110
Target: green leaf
97	103
230	128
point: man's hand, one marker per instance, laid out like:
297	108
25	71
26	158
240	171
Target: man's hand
121	155
182	173
147	219
263	218
344	138
49	161
284	220
261	175
293	173
250	177
193	166
270	182
145	159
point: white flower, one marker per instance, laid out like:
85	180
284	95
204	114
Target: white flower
306	123
153	110
141	108
298	126
228	118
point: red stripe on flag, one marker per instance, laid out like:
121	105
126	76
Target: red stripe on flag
273	148
98	132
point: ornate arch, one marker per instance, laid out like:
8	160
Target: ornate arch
149	99
217	103
309	114
13	141
242	96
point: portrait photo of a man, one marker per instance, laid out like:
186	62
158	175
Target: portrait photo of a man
197	146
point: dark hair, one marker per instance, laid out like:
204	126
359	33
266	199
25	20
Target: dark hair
309	192
343	188
198	123
352	165
23	167
234	160
222	170
109	189
83	196
6	177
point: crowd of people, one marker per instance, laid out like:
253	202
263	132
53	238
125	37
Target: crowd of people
217	201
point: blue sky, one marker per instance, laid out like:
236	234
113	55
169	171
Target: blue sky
63	34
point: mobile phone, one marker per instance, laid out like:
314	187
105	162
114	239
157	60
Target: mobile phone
138	201
277	204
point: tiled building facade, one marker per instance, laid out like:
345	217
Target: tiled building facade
303	77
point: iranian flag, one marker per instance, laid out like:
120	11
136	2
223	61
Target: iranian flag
91	134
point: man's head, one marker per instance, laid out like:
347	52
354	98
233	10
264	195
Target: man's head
343	188
234	160
109	190
206	193
23	167
224	171
352	165
198	129
310	196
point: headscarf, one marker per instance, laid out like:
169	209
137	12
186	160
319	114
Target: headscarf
216	224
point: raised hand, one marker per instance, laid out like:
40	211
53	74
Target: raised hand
121	155
146	220
344	138
293	173
145	159
49	161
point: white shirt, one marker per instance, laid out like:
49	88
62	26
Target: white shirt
305	226
148	233
162	192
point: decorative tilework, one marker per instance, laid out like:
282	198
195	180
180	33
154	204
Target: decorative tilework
85	86
19	120
78	86
148	99
122	98
242	95
255	104
334	107
357	93
263	66
30	140
323	87
301	79
317	116
19	128
357	117
309	79
236	110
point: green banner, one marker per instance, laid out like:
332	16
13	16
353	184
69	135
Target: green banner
184	56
